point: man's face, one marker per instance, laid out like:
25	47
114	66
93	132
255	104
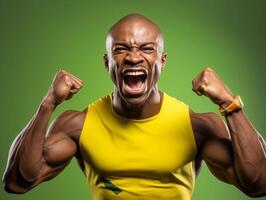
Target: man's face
134	60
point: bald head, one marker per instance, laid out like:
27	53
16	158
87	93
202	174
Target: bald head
134	28
134	19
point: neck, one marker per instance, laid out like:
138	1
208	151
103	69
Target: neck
149	108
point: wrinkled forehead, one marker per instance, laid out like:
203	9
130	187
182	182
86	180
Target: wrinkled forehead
134	34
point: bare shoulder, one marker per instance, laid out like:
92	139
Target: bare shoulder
208	126
69	123
213	142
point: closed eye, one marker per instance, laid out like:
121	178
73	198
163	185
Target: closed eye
120	49
147	50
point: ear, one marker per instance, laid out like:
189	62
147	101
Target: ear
163	60
106	62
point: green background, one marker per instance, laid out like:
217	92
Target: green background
39	37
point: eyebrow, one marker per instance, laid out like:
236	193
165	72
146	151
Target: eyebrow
128	44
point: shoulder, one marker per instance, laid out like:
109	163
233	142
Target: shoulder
173	103
208	126
69	123
209	130
205	121
71	117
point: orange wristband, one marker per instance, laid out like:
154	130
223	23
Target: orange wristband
237	104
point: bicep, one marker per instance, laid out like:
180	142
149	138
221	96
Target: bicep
219	157
58	149
54	154
59	146
58	152
55	158
61	143
216	147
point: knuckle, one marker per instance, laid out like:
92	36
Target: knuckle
208	69
61	71
68	80
195	80
206	73
204	80
66	77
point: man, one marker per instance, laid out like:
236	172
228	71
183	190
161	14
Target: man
138	142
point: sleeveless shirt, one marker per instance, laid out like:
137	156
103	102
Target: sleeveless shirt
146	159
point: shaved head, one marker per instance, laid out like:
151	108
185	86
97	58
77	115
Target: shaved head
134	19
139	25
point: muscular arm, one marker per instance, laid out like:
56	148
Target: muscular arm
36	154
235	154
249	153
234	157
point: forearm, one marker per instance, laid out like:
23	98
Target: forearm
26	152
246	167
249	152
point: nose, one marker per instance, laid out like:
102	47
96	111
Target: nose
133	58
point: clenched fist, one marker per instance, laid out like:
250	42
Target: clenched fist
63	87
209	84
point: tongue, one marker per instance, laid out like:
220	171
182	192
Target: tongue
134	82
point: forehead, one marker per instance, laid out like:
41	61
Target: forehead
134	33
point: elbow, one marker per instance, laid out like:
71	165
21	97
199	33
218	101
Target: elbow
13	189
6	186
253	184
11	186
255	194
15	182
255	190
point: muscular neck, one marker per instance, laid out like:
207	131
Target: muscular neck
148	109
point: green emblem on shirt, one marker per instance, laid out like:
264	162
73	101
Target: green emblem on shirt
109	185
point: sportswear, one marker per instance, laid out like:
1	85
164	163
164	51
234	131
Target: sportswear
146	159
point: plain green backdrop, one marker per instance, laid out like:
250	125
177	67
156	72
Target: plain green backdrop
39	37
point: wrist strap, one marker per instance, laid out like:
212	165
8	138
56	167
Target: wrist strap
237	104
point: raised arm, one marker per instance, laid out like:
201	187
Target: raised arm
36	154
235	154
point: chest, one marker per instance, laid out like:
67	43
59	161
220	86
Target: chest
137	147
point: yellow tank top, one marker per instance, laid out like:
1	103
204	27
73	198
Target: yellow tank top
146	159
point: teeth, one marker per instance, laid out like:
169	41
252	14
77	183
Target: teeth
136	73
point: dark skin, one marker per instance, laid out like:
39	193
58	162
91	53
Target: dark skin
235	155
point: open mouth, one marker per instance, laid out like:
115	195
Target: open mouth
134	81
